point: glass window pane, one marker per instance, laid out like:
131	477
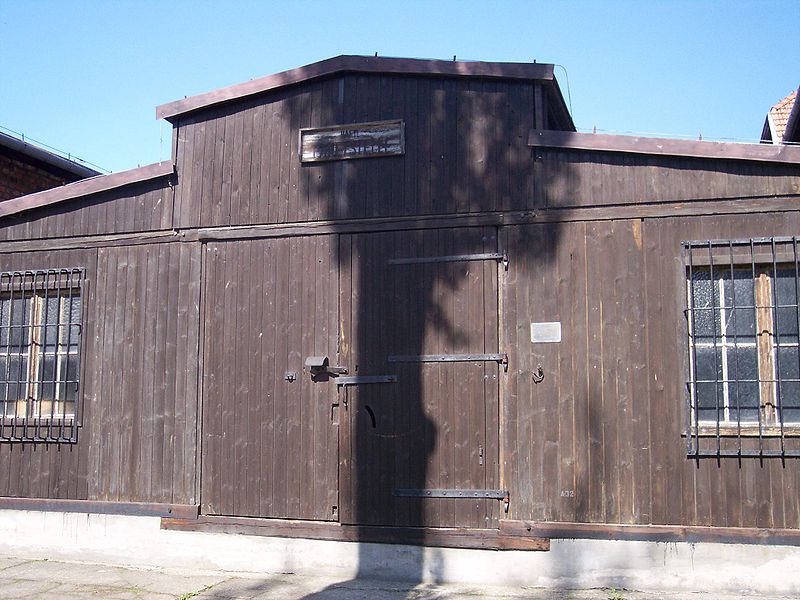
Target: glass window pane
703	324
74	315
743	289
790	402
741	324
710	404
50	318
74	310
788	363
786	318
745	367
47	373
69	408
703	313
5	314
744	400
701	287
785	287
17	367
47	390
20	322
709	364
70	391
70	368
17	376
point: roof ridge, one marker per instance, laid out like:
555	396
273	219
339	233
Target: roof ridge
360	64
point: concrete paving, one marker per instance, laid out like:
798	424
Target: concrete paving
25	579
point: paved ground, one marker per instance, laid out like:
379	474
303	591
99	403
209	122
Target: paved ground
46	579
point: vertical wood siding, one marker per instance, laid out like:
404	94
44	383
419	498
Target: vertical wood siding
141	376
136	208
36	470
600	439
269	445
466	151
585	178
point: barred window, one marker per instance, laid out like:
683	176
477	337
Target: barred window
40	334
744	367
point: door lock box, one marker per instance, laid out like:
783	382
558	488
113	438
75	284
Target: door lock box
319	368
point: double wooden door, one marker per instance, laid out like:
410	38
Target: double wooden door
409	435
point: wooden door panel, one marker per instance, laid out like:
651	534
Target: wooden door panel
270	444
429	429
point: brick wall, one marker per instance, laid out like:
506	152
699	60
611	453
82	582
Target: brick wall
19	177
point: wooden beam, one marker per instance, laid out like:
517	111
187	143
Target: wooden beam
139	509
557	215
597	142
651	533
97	241
85	187
489	539
357	64
602	213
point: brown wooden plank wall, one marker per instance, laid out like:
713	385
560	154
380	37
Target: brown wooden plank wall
140	345
582	178
599	440
141	376
270	445
36	470
465	152
141	207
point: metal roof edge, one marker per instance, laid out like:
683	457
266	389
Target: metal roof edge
40	154
85	187
359	64
601	142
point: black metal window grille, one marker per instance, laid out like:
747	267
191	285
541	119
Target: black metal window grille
40	335
743	319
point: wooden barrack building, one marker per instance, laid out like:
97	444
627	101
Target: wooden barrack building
391	299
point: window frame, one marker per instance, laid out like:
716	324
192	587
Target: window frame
40	287
769	433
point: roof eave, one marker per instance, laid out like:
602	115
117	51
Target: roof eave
598	142
356	64
84	187
41	155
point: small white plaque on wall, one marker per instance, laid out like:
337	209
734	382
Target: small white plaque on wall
546	332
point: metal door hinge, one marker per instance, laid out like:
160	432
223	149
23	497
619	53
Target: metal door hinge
501	358
451	493
422	260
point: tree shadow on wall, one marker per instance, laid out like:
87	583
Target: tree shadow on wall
435	427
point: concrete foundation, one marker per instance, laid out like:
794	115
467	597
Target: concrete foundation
570	564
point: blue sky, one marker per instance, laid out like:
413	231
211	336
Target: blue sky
85	77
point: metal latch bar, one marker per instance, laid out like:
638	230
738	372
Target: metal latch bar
501	358
451	493
415	260
363	379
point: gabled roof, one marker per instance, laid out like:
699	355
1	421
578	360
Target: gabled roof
782	124
50	159
362	64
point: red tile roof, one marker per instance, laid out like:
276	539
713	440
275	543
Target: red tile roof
780	114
